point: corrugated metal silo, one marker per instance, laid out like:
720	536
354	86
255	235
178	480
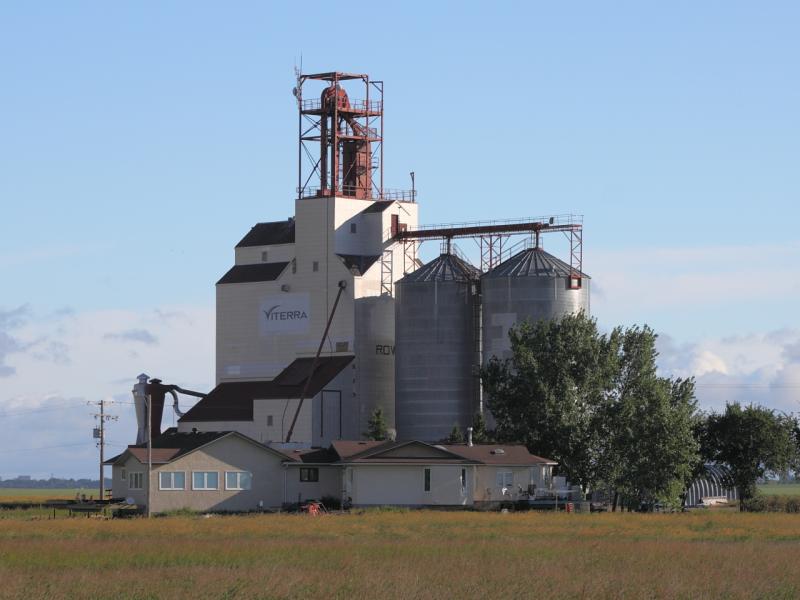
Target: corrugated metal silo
436	349
532	284
375	356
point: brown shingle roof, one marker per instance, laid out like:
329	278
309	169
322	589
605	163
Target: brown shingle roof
171	445
233	401
267	234
253	273
394	452
498	454
312	455
489	454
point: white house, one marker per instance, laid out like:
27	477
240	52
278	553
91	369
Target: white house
230	472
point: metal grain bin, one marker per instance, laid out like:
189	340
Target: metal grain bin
436	349
532	284
375	354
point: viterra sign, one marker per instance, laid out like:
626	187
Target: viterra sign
285	313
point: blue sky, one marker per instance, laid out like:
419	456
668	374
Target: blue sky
140	141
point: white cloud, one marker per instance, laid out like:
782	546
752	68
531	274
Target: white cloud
133	335
757	368
686	288
11	343
58	388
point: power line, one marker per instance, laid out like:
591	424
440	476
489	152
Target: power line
38	410
44	448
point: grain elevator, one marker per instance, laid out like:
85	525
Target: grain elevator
329	314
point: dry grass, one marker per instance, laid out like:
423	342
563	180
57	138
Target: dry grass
405	555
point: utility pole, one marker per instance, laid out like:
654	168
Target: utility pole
100	436
149	452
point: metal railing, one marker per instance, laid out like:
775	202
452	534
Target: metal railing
360	131
351	105
555	220
312	191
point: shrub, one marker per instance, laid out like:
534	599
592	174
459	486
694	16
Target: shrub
775	503
331	502
755	504
792	504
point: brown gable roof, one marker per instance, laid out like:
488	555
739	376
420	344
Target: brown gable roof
388	451
267	234
348	448
312	455
171	445
233	401
353	451
253	273
498	454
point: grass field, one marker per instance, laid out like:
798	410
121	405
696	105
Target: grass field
781	489
37	495
405	555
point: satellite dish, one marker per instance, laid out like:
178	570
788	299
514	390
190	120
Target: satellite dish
130	500
294	92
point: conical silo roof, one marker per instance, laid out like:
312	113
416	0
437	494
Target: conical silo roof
533	262
446	267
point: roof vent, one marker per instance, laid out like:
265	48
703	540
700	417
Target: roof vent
498	451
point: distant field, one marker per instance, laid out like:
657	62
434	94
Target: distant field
781	489
421	555
37	495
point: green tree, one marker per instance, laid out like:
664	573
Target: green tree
480	435
752	441
649	422
455	437
548	394
595	404
376	426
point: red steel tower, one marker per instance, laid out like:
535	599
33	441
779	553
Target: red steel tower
340	150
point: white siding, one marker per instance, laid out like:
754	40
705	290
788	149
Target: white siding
329	484
404	485
253	254
227	454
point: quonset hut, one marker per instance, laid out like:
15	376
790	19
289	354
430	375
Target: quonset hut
713	486
437	322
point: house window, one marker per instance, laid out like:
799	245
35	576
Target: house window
264	256
172	480
238	480
352	227
427	480
315	266
505	479
294	266
123	474
269	421
136	480
463	481
309	474
205	480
